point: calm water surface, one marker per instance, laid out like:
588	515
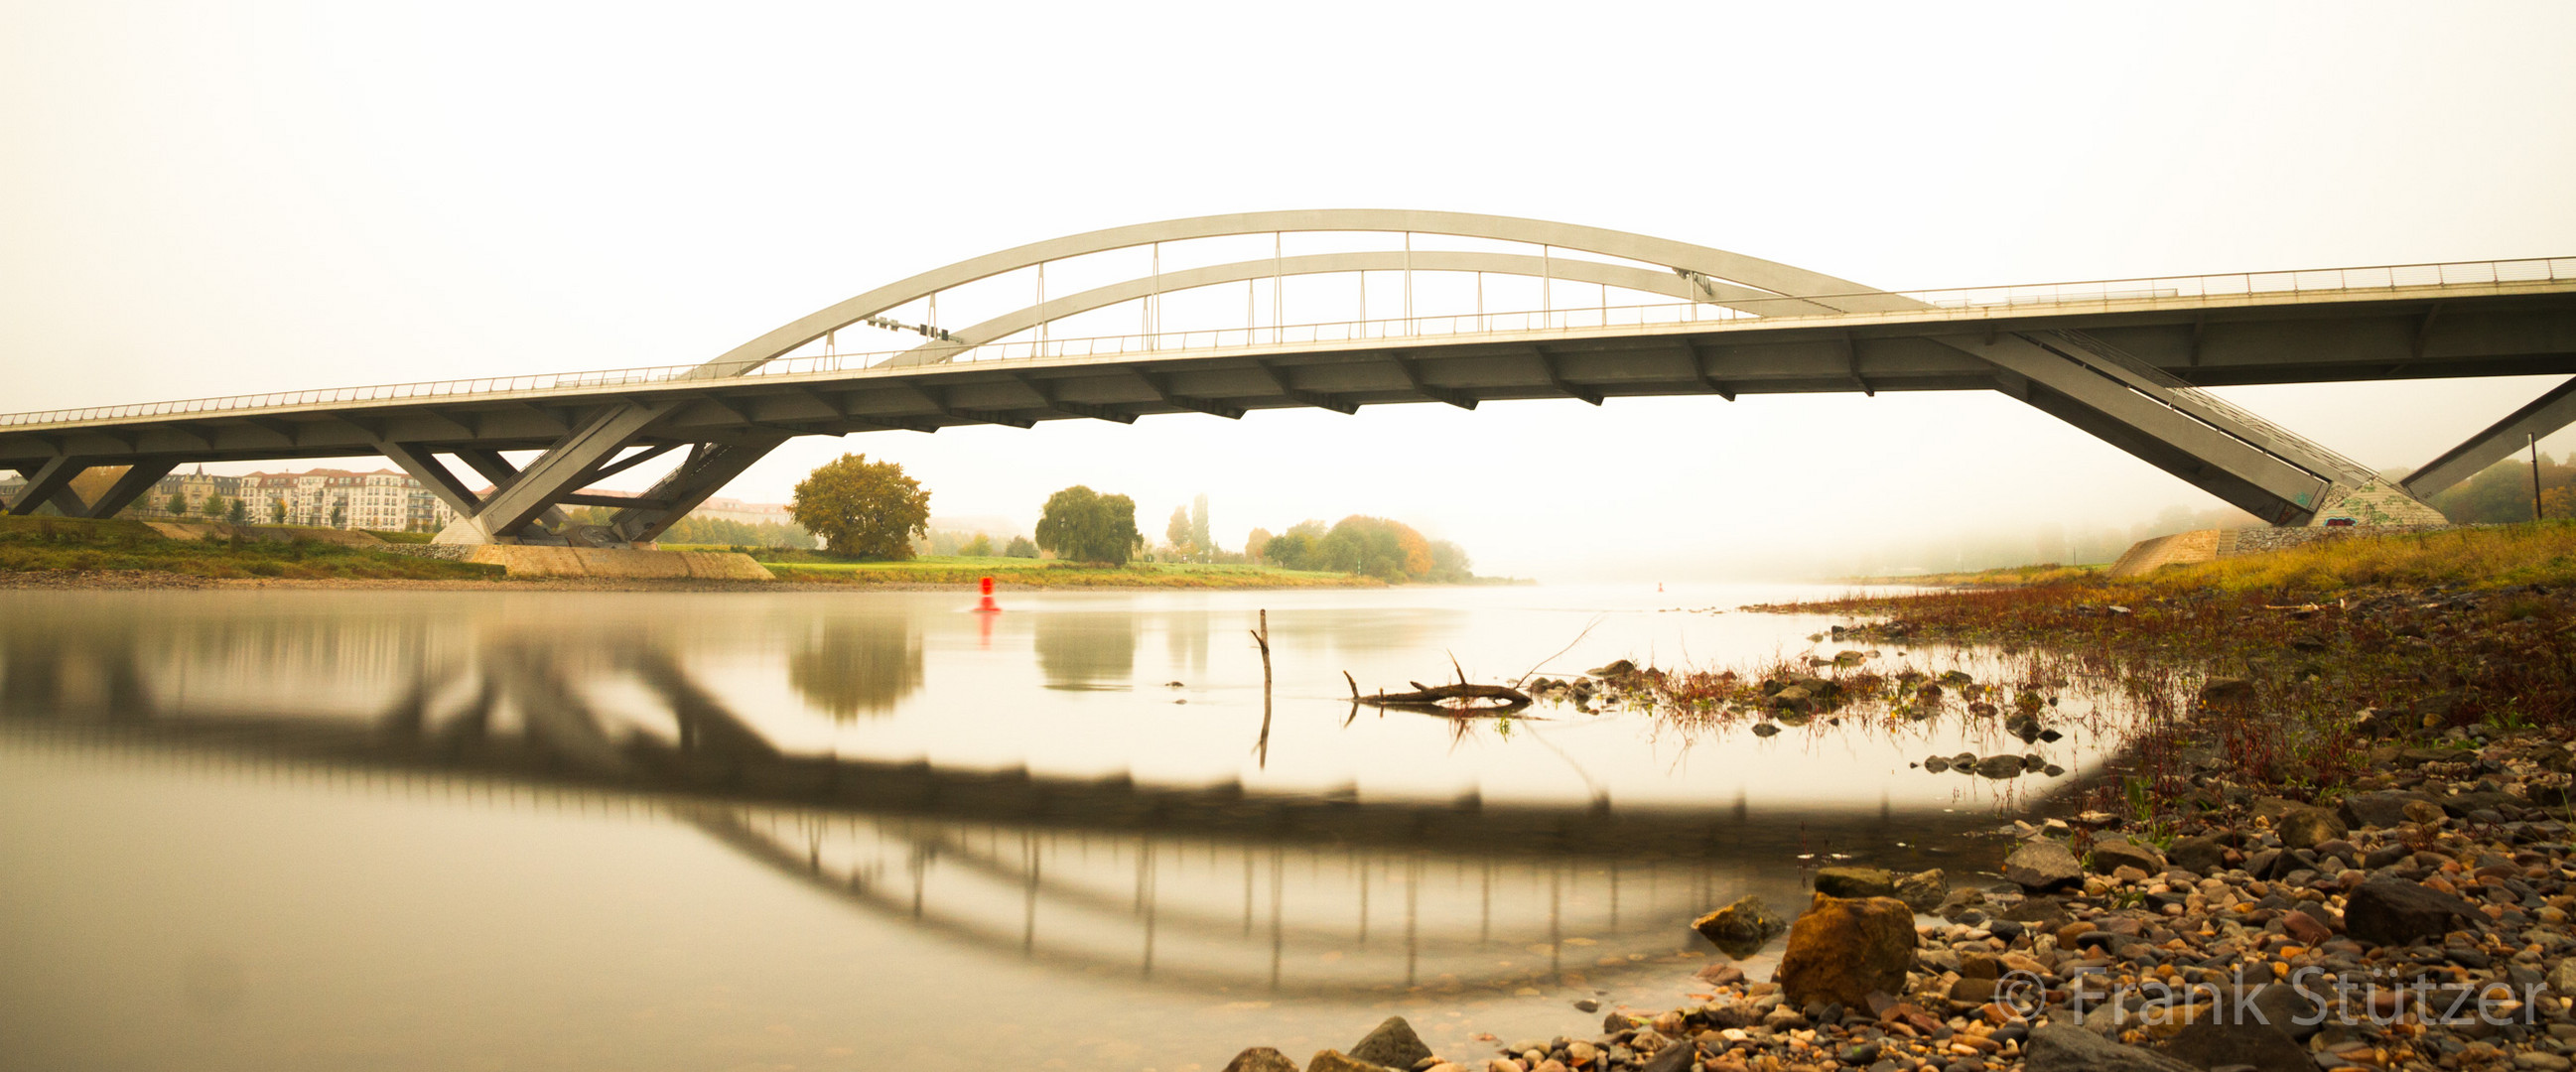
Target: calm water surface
401	830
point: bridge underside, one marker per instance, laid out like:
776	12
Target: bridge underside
2124	377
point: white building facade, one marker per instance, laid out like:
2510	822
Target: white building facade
339	498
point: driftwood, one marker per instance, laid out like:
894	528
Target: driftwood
1461	698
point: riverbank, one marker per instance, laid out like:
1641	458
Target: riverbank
70	547
1033	573
2000	577
135	580
54	552
2341	842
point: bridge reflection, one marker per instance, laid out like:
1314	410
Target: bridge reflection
1194	886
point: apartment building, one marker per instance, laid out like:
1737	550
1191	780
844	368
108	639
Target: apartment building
720	508
328	498
339	498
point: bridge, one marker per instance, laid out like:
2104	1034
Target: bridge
2124	360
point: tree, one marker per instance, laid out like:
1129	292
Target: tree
1178	532
1200	536
862	509
2558	503
1291	550
722	532
1449	563
979	547
1252	545
237	512
1084	525
1377	547
178	505
214	506
340	513
1020	547
277	511
2502	493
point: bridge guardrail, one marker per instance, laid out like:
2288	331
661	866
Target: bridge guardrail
1963	302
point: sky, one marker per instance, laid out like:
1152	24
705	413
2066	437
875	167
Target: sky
204	199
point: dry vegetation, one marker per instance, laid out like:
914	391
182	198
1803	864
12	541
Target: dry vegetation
2483	558
2290	669
76	545
2005	577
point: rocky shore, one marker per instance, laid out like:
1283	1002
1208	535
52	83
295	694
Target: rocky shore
2421	922
2401	901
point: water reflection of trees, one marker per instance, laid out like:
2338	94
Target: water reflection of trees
858	665
1080	650
1185	636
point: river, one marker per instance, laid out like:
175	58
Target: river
309	829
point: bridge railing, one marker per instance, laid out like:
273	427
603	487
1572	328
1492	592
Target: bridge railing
1961	303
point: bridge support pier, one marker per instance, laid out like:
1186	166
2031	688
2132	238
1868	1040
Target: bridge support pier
526	504
2544	415
51	484
704	472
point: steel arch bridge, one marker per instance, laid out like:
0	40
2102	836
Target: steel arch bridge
2120	359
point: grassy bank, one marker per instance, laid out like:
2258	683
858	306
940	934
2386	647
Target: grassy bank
1032	573
2501	556
2004	577
2298	670
29	544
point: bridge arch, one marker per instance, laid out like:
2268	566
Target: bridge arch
1624	276
1757	279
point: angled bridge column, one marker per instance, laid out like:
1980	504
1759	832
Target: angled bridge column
708	468
51	483
2267	471
2258	482
529	494
520	498
2544	415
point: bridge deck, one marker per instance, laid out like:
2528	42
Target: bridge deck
2485	328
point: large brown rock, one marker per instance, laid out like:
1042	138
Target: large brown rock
1261	1059
2214	1042
2113	853
2384	809
2204	855
2067	1048
1923	890
2306	828
1337	1061
2041	864
2386	910
1855	882
1845	949
1747	922
1393	1044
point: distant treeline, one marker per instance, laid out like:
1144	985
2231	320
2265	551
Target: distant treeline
1370	546
943	543
711	530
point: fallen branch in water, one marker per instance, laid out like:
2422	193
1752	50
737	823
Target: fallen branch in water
1461	698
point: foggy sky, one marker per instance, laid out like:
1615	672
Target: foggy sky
200	201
